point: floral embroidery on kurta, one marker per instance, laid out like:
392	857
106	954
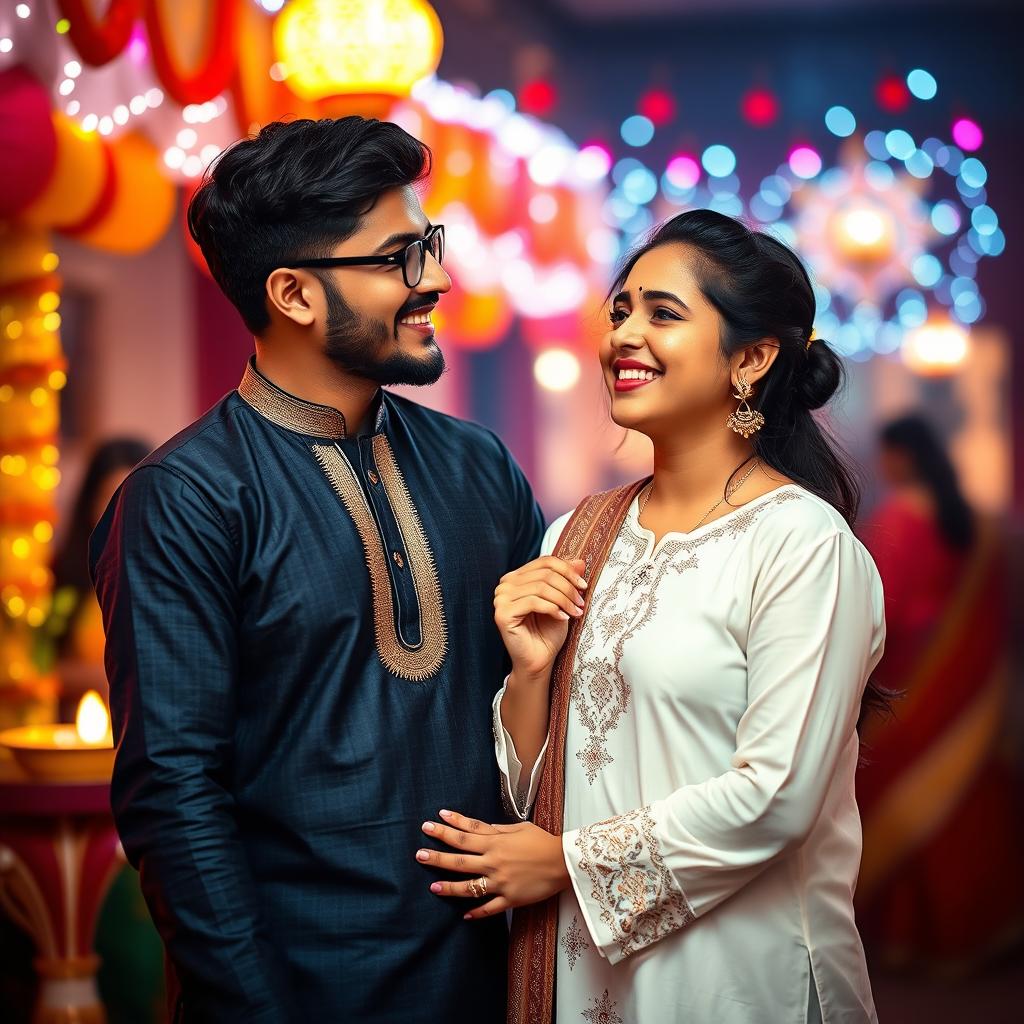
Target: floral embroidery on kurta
603	1011
574	941
640	901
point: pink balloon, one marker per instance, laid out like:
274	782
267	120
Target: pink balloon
28	142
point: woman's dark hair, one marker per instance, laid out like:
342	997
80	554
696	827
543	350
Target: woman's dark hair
914	436
293	192
70	564
761	290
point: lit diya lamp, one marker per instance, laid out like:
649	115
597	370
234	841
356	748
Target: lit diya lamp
59	854
83	752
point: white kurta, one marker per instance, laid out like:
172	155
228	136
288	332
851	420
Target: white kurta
710	825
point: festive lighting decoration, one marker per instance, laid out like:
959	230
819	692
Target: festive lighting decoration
538	97
637	130
922	84
936	347
759	108
557	369
892	95
31	376
658	106
967	134
332	47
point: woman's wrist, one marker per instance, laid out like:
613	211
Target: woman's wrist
523	677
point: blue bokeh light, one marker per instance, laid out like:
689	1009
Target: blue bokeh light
640	186
919	164
879	175
945	217
922	84
874	143
637	130
973	172
718	160
623	167
927	270
899	144
840	121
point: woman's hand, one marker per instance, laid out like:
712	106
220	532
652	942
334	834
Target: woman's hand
533	606
513	865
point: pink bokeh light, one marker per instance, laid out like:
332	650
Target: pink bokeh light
804	162
683	171
967	134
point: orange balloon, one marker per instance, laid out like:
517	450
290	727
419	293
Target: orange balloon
143	204
77	181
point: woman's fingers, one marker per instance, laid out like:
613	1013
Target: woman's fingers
571	571
530	582
519	609
570	605
496	906
464	863
470	838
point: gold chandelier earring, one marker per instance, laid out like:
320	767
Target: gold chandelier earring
744	420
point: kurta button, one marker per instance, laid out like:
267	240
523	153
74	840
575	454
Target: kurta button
374	479
399	560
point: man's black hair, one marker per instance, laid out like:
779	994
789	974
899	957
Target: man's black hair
293	192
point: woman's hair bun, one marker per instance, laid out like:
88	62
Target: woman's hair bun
820	376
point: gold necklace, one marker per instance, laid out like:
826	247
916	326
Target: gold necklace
729	492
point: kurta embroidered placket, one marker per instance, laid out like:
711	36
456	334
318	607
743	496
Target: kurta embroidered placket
408	614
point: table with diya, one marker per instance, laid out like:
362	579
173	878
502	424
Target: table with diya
59	853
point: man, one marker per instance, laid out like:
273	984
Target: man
297	599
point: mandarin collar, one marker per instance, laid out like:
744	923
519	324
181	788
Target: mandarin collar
296	414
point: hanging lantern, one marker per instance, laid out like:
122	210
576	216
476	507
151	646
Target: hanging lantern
375	50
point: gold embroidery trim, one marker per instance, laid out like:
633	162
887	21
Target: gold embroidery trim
406	662
640	900
287	411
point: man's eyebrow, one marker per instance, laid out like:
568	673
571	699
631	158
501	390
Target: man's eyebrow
402	238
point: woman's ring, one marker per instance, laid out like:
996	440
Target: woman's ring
482	882
473	889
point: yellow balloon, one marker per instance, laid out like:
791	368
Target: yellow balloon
144	200
77	180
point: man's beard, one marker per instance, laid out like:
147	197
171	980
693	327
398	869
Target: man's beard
353	343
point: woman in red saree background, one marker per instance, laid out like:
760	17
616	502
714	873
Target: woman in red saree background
940	883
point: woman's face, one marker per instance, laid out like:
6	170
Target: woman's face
662	358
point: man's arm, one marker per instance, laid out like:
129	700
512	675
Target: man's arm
164	568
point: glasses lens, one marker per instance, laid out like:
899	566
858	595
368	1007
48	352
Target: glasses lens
414	264
437	244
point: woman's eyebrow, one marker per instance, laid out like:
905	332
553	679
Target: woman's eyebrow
656	296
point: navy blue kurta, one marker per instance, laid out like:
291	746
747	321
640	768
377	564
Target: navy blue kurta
302	656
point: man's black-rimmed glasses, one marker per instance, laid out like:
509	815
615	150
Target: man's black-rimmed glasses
412	259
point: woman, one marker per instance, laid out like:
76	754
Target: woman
702	640
938	789
76	626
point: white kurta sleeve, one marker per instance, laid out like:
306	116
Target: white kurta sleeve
518	794
814	636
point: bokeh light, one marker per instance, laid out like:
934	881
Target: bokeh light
637	130
804	162
967	134
922	84
718	160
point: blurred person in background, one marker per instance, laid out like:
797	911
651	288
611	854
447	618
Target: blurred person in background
940	884
76	625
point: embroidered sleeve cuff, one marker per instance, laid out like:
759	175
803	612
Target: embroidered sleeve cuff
517	794
628	897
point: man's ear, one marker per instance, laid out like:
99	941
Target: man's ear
294	294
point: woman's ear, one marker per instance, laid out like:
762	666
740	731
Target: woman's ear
755	360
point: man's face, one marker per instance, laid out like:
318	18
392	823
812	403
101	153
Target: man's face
377	327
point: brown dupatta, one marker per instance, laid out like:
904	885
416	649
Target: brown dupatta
589	535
